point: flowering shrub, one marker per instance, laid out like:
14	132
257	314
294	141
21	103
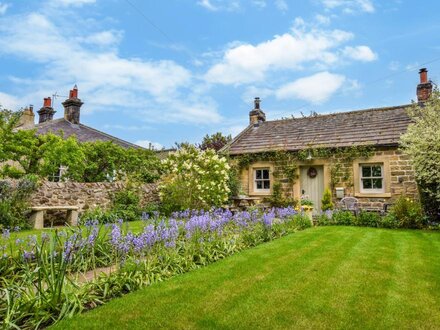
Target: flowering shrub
194	179
43	278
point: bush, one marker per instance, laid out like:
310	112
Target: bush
326	201
126	204
408	213
194	179
368	219
301	222
98	214
388	221
14	202
343	218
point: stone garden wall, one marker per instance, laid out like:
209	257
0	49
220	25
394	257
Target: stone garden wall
86	195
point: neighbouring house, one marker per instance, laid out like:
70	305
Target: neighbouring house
70	124
352	153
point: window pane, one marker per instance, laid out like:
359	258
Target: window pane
258	174
259	184
367	184
366	171
265	174
377	183
376	170
266	184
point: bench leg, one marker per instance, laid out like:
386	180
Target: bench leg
37	219
72	217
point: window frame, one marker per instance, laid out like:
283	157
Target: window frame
371	177
255	180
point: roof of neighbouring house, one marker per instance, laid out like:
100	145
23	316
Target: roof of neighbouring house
379	127
82	132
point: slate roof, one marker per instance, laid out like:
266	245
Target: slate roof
82	132
378	127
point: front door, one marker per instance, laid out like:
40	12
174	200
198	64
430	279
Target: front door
312	184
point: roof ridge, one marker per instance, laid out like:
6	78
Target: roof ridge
342	113
110	136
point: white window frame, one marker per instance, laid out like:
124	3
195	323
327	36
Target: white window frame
262	180
371	190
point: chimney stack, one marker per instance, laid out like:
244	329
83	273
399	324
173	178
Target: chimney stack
256	115
424	89
27	119
72	106
46	112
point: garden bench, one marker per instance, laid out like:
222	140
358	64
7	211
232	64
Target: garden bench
349	204
37	215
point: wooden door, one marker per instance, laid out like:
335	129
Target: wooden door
312	184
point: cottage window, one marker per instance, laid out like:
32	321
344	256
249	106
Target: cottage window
372	178
262	179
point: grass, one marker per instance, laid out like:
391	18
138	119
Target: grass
321	278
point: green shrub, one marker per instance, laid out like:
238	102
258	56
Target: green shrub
324	219
126	204
408	213
98	214
368	219
301	222
14	202
326	201
388	221
343	218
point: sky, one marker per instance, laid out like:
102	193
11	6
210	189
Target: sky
170	71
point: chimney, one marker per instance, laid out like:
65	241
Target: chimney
46	112
27	119
424	89
72	106
257	115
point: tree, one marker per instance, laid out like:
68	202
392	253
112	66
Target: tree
215	141
422	143
194	179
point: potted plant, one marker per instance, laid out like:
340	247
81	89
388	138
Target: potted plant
307	207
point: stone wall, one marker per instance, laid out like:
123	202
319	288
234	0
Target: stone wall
86	195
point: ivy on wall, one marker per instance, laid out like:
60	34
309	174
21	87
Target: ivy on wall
286	162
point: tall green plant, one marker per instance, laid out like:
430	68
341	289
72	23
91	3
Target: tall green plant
326	202
422	143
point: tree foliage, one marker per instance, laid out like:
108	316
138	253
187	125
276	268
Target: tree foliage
422	143
194	179
24	152
215	141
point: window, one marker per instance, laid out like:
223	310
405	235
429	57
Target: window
261	179
372	178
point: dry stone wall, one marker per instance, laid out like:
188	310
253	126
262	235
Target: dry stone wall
87	195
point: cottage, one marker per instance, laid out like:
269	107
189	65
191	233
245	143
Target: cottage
352	153
69	125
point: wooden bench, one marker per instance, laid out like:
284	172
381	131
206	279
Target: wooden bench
37	215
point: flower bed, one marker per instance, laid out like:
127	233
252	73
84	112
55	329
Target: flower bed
43	279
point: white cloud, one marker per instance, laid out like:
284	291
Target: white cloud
155	90
360	53
3	7
103	38
248	63
216	5
259	3
281	5
394	66
315	89
8	101
350	6
321	19
149	144
73	3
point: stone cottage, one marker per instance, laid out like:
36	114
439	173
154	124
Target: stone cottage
352	153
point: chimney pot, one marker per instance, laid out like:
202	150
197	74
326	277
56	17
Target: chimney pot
423	75
256	115
47	102
72	106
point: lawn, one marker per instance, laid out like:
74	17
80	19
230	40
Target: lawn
325	277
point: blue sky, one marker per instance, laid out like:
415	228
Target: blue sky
175	70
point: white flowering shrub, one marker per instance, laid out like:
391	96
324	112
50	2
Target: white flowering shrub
194	179
422	143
